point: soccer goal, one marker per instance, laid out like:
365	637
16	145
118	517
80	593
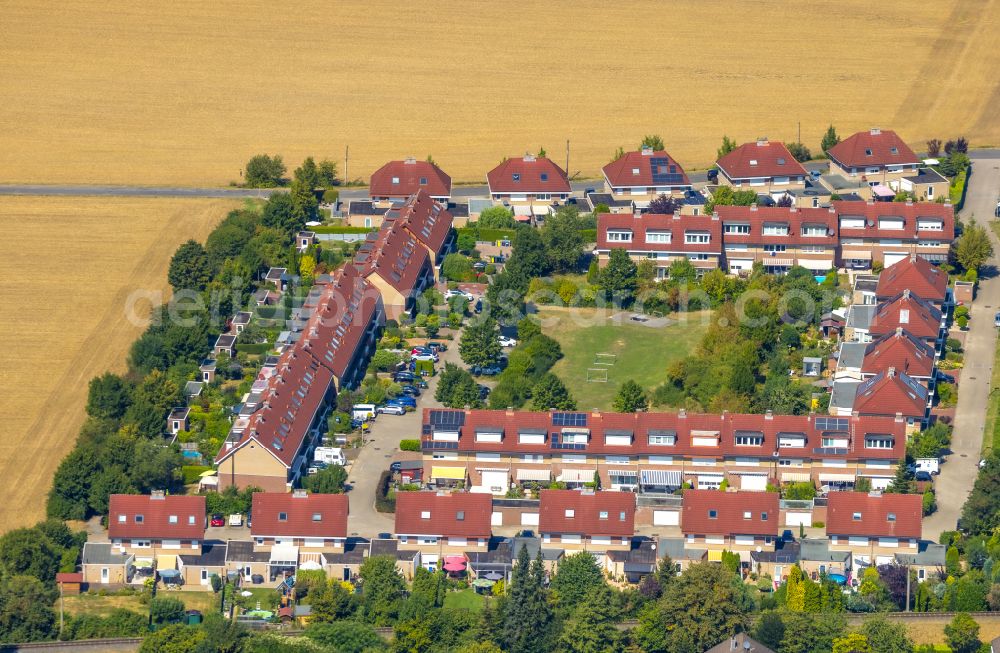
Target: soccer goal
597	375
605	360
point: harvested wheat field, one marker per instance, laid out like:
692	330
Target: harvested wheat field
185	92
67	266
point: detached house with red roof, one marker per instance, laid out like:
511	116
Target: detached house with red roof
874	527
271	447
902	351
662	239
919	276
889	393
398	265
877	156
529	184
763	166
587	520
429	222
888	232
398	180
443	522
156	523
645	175
911	312
299	519
740	522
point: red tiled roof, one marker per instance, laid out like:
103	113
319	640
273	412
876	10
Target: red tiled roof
301	512
916	274
428	221
760	159
635	169
682	425
588	513
909	311
529	170
186	512
795	219
910	213
874	518
396	257
899	350
852	151
409	173
735	513
328	346
676	224
891	392
458	514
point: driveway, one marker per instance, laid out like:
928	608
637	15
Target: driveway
381	448
959	473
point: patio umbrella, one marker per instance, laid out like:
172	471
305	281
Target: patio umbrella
310	565
482	582
454	565
493	576
209	472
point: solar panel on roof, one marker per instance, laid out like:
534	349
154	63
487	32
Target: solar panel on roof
658	167
569	419
447	418
832	423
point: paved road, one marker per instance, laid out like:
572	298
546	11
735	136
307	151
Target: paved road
959	473
382	449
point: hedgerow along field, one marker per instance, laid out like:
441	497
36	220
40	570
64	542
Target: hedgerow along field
67	267
185	93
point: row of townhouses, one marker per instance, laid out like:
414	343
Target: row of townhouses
852	234
874	164
460	532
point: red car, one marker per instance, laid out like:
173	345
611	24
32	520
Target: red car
218	520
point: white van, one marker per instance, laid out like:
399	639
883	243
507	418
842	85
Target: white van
330	456
929	465
363	411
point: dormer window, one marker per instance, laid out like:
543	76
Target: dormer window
138	519
749	438
172	519
570	513
317	516
856	516
395	180
602	514
894	150
425	514
282	516
620	236
121	519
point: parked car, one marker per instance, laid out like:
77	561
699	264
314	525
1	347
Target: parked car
426	357
713	175
507	342
484	391
218	521
420	383
996	320
479	306
815	174
411	390
922	476
395	467
392	409
436	346
399	377
403	400
485	370
459	293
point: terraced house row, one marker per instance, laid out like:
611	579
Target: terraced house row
848	234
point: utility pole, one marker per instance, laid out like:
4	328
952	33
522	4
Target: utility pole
347	154
567	156
800	132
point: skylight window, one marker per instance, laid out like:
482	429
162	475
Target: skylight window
545	176
868	151
891	517
781	160
856	516
713	514
282	516
317	516
516	176
753	162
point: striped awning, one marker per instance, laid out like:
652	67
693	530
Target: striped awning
857	254
777	262
661	477
576	476
789	477
533	474
714	555
623	472
449	473
836	478
816	265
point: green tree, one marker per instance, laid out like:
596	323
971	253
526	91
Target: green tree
727	146
108	396
280	214
189	267
799	151
326	481
630	398
457	267
549	392
152	399
830	139
456	388
25	610
563	238
592	627
962	634
176	638
382	590
264	171
166	609
308	173
327	174
480	344
973	247
885	636
578	575
345	636
526	616
619	278
652	141
332	602
805	633
770	629
952	562
903	481
529	256
851	643
527	329
305	206
726	196
795	593
431	586
496	217
70	493
25	551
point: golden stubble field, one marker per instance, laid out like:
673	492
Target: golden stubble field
67	266
184	92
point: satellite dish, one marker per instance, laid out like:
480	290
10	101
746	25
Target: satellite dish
758	549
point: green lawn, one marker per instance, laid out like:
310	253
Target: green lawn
642	352
467	599
102	605
991	429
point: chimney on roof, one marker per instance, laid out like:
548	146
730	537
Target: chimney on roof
596	412
870	202
792	209
510	411
855	413
677	214
899	331
906	294
831	209
299	494
875	131
875	494
762	141
913	257
158	495
909	201
529	157
646	150
891	373
753	207
682	413
768	414
410	160
899	417
715	215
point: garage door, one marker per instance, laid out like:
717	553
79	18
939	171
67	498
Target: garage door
666	518
529	519
798	519
496	481
496	519
894	257
754	482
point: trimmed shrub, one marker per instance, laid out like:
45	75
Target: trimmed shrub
409	445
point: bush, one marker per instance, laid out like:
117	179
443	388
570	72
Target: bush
962	322
409	445
166	610
961	311
192	473
954	345
384	503
929	502
331	196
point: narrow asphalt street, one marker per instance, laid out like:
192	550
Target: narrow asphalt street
959	472
381	448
